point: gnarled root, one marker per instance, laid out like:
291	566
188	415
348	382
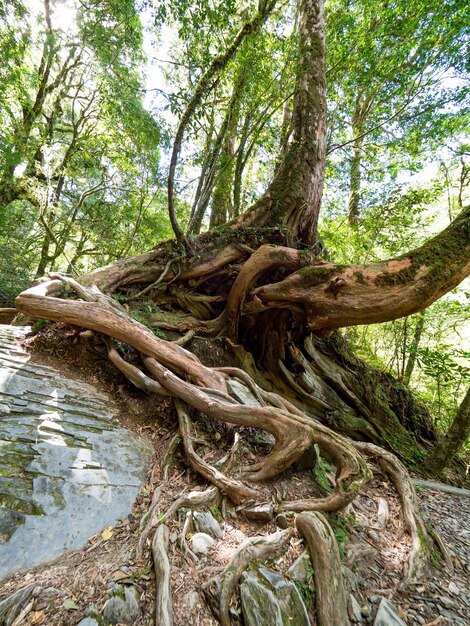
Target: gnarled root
220	589
330	594
236	490
420	540
163	604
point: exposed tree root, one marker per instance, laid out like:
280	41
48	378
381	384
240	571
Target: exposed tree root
236	490
265	258
330	594
218	393
420	540
163	604
191	500
220	589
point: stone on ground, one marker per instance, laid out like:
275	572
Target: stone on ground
123	607
268	599
205	522
67	470
387	615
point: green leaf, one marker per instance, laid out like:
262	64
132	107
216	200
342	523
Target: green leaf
70	605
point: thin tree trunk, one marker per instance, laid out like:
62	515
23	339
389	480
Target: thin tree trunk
222	206
410	364
203	86
355	181
444	451
44	257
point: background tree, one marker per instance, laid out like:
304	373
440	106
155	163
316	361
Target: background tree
79	155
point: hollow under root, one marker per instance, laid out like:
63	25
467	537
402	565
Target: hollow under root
331	597
236	490
219	590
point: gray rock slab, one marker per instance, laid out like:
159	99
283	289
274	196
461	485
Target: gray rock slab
67	469
123	607
205	522
300	568
241	392
387	615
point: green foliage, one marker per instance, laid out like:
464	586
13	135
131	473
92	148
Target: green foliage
320	470
214	509
79	178
306	588
141	314
389	88
341	533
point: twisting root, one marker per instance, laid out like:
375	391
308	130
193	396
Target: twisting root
330	594
420	540
183	376
235	489
222	587
163	604
157	282
150	519
265	258
186	529
133	373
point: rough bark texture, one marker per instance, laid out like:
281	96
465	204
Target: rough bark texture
324	553
294	196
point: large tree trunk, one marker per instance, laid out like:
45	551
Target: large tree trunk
277	307
294	196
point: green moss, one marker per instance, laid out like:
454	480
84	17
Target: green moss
359	277
317	274
319	471
22	506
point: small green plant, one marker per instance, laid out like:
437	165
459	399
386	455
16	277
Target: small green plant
214	509
340	531
319	471
39	325
143	320
305	588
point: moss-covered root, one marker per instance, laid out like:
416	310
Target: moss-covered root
219	590
420	541
330	593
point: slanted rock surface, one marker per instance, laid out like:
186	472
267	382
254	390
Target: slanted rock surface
67	469
268	599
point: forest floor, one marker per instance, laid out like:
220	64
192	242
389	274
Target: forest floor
374	550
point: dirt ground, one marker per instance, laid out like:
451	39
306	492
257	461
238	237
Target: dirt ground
374	553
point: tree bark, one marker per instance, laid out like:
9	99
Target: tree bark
204	85
443	453
293	198
334	296
355	181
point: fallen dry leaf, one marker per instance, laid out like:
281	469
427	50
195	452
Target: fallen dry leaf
36	617
107	533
